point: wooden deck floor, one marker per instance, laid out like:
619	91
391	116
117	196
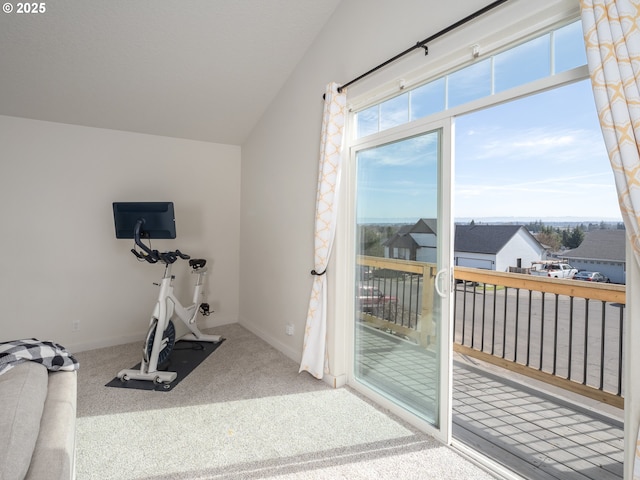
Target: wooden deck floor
535	434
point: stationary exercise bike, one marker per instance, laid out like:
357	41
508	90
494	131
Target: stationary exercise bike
161	336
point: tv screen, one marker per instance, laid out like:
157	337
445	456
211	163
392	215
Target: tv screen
158	219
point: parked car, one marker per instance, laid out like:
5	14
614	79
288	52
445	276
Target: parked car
369	297
591	277
553	270
366	273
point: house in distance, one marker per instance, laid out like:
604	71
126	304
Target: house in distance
490	247
496	247
601	251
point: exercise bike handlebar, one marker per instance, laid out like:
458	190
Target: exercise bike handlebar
154	256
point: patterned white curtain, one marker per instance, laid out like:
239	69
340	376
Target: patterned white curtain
612	38
314	351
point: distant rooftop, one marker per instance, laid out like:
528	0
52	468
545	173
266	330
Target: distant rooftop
489	239
608	245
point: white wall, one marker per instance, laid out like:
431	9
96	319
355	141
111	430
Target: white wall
61	261
280	159
280	163
520	246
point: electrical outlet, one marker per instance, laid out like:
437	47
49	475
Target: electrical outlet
289	329
75	325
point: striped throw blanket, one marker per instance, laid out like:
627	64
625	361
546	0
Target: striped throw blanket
53	356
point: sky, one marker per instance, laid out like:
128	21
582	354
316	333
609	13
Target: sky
397	181
538	157
541	156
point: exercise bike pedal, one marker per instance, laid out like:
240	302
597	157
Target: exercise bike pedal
204	309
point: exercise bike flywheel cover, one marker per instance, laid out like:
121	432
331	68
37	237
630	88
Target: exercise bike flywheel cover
169	335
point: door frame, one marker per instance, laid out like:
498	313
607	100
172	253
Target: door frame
345	282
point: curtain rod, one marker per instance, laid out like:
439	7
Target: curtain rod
423	43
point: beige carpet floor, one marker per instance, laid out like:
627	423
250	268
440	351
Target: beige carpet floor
245	413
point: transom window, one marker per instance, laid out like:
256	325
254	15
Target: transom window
554	52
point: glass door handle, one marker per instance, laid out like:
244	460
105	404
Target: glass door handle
439	276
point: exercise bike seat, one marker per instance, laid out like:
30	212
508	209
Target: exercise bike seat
196	263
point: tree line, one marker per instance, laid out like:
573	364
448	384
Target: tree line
555	238
566	237
371	238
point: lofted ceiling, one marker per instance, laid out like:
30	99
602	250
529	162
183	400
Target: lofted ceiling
197	69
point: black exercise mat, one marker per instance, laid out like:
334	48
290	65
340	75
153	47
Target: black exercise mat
185	357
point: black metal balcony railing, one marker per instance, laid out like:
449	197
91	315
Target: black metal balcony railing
564	332
390	295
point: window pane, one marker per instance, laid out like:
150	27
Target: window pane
398	180
470	83
428	99
548	163
398	315
569	50
517	66
394	112
523	64
367	121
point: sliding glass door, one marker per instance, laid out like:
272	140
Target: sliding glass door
402	274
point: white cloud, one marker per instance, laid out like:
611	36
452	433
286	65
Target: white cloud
548	145
413	151
578	195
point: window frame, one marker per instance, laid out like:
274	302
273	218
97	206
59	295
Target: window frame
444	67
497	43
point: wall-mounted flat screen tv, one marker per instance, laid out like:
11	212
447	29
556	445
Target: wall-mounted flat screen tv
157	219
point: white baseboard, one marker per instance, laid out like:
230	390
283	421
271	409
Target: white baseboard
293	354
211	322
137	337
105	342
335	381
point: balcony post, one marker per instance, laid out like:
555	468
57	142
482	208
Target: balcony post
425	320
